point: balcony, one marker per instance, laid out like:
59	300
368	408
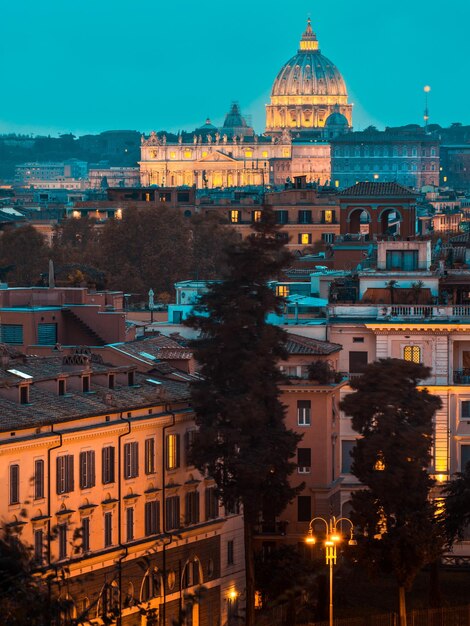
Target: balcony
415	312
462	377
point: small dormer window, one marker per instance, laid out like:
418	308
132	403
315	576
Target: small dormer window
130	379
86	384
24	394
61	386
111	381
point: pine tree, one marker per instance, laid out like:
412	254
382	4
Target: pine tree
395	512
243	442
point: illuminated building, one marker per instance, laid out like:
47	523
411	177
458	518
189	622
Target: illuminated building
99	453
309	106
307	91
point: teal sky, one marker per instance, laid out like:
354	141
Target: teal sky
91	65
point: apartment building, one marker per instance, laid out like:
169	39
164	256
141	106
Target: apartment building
95	472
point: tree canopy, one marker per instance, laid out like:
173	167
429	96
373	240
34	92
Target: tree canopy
243	442
395	512
456	511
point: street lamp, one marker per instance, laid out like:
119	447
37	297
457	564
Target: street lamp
332	538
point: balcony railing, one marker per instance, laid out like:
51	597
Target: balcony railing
271	528
401	311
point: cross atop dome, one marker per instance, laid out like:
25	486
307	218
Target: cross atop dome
309	39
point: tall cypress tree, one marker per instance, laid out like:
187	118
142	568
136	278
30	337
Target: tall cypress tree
401	533
243	442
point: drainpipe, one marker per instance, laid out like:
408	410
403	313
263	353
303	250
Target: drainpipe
121	546
49	512
169	535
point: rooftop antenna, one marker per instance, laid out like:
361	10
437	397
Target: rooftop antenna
427	89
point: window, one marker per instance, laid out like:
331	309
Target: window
11	333
150	456
130	379
108	529
107	465
464	456
38	546
257	216
412	353
402	260
64	480
191	508
62	537
305	217
61	387
152	518
230	552
304	460
304	508
38	479
86	384
211	503
172	452
24	394
303	412
130	524
111	381
14	484
328	216
282	217
172	512
305	239
358	339
282	291
328	237
189	439
465	409
86	534
357	362
131	460
235	217
346	459
47	334
87	469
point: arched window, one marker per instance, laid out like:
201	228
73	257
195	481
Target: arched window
108	603
192	573
152	585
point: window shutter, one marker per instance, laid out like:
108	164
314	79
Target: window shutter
178	450
83	468
14	484
187	443
92	468
69	473
299	238
111	464
127	460
39	479
135	459
60	487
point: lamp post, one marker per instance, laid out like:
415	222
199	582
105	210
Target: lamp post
332	538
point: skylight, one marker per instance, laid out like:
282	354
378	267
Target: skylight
20	374
152	381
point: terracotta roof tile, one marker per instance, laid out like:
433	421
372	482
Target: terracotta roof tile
297	344
377	189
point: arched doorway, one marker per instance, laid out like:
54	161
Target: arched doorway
390	222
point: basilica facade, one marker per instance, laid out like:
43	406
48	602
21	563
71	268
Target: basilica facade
308	107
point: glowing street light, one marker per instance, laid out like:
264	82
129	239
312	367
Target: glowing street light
332	538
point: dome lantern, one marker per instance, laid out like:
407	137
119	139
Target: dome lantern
309	39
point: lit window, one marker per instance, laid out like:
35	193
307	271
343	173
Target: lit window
328	217
187	154
286	152
264	154
248	154
257	216
172	452
282	291
234	217
305	239
172	155
412	353
204	154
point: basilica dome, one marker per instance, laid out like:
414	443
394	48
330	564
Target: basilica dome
309	73
307	89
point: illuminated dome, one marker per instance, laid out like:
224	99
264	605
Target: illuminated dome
306	90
